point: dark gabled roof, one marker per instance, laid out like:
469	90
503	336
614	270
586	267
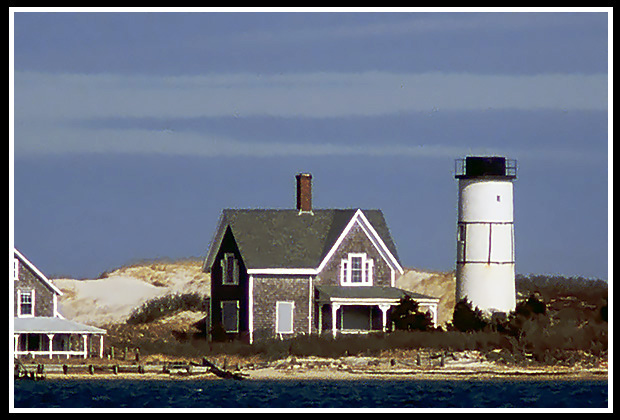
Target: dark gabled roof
270	238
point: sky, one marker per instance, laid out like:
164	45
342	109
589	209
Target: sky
132	130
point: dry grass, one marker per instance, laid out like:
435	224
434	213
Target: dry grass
441	285
185	274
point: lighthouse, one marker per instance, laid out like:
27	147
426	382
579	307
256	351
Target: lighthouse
485	260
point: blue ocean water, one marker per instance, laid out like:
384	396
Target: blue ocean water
309	394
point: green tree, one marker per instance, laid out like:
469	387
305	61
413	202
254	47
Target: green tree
407	316
465	318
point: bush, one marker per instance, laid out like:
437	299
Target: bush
591	291
466	319
168	305
407	316
531	306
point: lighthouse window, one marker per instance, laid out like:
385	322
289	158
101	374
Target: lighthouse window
498	199
461	233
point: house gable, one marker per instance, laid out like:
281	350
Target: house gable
36	272
366	240
229	286
33	294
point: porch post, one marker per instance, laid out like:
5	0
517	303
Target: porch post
101	346
50	338
335	307
15	343
84	345
434	313
384	308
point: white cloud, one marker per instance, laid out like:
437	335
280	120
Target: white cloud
49	107
62	140
411	24
169	142
57	97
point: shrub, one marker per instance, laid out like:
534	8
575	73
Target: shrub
168	305
407	316
466	319
531	306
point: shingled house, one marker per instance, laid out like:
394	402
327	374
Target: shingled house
279	273
39	329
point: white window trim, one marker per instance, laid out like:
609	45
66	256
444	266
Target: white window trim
367	270
292	306
15	269
20	313
234	281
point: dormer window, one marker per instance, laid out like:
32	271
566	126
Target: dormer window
356	270
26	303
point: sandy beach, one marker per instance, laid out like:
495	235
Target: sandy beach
466	367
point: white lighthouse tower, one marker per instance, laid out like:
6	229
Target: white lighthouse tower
485	262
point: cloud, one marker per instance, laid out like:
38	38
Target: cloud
63	141
420	23
50	109
314	95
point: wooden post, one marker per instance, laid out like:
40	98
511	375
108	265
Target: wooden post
85	345
384	309
335	308
50	338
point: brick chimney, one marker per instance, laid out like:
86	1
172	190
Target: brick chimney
304	192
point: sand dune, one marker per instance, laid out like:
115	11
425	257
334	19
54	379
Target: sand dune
112	299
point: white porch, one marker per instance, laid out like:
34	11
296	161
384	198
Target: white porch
363	310
55	337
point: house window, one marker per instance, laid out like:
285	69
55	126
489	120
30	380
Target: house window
284	317
26	303
15	269
230	269
230	316
356	270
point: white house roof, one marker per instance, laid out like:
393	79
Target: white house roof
52	325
